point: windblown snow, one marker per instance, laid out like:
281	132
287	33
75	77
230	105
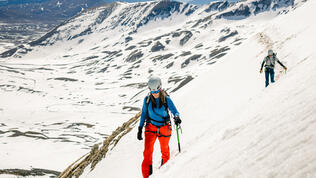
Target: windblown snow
68	90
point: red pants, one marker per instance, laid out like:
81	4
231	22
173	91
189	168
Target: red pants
151	133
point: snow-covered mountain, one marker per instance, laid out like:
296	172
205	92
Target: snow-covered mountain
72	87
48	11
232	126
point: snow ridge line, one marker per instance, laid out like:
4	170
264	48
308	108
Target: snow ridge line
96	154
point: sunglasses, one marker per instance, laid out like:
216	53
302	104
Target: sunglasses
155	92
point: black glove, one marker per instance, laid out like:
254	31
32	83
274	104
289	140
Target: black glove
139	133
177	120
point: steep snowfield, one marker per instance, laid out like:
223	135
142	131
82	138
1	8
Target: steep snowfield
68	90
232	125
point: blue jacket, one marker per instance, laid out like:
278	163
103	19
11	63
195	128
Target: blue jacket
156	113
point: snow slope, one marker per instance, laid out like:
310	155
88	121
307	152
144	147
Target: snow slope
232	125
68	90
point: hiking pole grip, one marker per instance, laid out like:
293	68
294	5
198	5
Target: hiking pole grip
178	139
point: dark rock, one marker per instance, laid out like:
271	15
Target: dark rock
103	70
237	39
80	41
217	6
225	30
99	83
212	62
118	55
265	5
63	79
169	65
220	55
128	39
157	47
162	10
28	90
159	37
136	85
162	57
242	12
78	124
223	38
91	57
111	54
199	45
192	58
185	53
131	108
31	134
21	49
216	52
145	43
130	48
132	57
32	172
176	34
95	48
207	19
191	9
85	32
185	81
8	53
186	38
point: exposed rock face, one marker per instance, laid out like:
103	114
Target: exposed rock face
186	38
157	47
243	11
134	56
223	38
218	52
164	9
162	57
218	6
192	58
97	154
130	48
32	172
128	39
264	5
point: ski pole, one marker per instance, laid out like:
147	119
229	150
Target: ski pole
178	138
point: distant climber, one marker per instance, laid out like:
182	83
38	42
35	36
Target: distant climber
155	112
269	63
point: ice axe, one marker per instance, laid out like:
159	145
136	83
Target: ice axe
177	128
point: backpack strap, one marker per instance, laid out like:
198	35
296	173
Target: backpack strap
164	103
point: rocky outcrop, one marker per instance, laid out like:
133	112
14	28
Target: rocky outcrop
134	56
97	154
192	58
217	6
32	172
157	47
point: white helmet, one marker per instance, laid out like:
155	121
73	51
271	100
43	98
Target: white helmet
154	83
